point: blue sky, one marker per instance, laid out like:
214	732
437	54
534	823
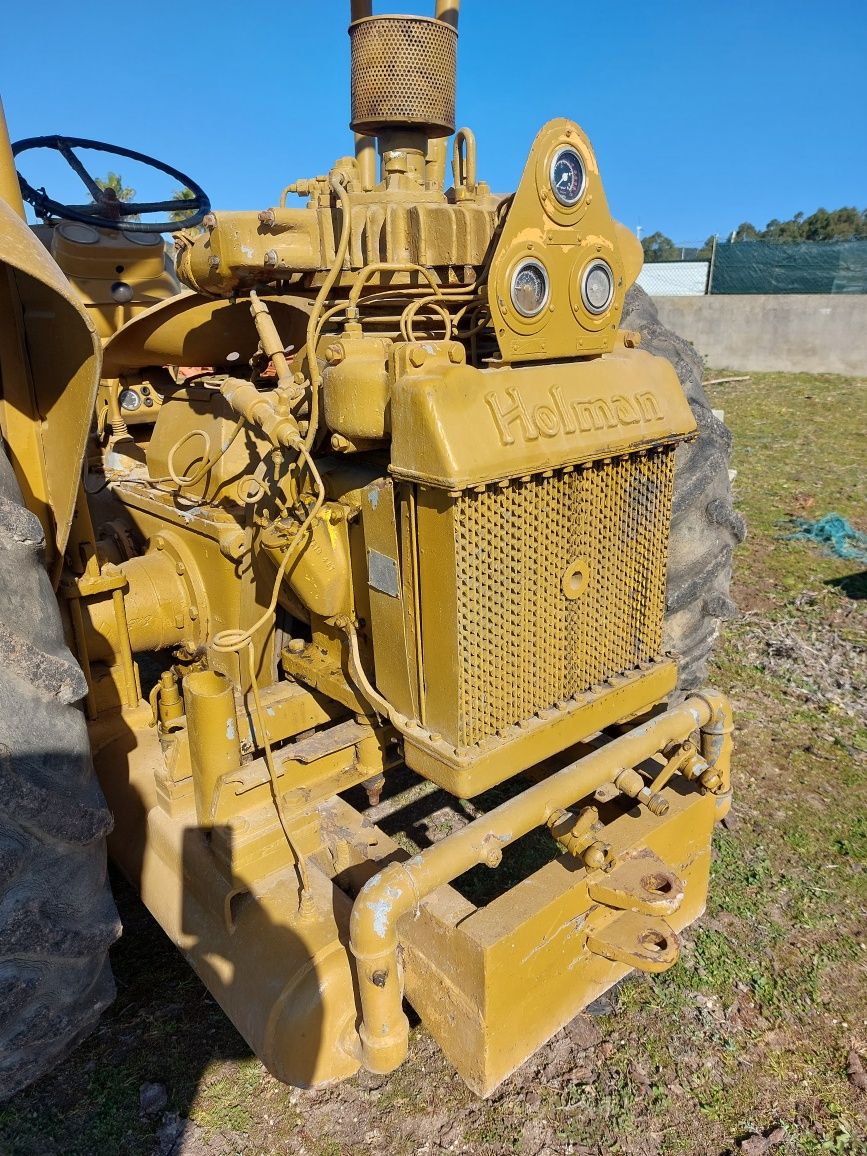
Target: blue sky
702	115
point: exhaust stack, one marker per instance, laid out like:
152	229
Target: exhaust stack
403	86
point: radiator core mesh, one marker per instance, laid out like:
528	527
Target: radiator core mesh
524	644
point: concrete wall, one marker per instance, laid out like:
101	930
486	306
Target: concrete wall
789	333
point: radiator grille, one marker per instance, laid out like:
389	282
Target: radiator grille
523	645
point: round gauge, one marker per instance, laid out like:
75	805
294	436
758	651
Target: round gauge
530	288
129	400
79	234
567	177
145	239
597	287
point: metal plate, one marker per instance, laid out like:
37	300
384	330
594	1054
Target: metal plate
382	574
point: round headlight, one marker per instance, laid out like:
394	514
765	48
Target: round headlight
597	287
530	288
129	400
567	177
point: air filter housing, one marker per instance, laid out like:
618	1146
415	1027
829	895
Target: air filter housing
403	74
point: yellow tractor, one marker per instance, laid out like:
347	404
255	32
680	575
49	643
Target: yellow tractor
433	520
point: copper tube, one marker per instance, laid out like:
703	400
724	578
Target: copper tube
400	887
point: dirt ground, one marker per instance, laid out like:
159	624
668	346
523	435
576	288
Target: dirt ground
755	1042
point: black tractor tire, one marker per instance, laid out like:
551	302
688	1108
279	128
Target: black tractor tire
57	916
705	526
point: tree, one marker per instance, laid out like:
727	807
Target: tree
658	247
845	224
182	195
113	182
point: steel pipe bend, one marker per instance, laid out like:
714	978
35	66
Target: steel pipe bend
399	887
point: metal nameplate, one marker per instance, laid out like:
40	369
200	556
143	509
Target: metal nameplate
382	574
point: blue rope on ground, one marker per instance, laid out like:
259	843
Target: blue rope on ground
834	533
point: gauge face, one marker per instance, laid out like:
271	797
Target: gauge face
567	177
129	400
597	287
530	288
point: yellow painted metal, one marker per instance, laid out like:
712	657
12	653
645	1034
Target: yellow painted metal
403	74
611	520
493	984
392	600
190	330
50	364
10	190
401	886
455	425
215	749
396	515
565	241
468	771
157	607
96	260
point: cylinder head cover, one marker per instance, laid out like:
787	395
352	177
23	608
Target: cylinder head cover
403	74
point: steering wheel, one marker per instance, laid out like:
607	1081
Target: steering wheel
107	211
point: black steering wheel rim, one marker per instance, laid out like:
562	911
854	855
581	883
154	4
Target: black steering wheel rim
109	212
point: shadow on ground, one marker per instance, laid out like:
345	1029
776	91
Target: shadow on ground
128	1089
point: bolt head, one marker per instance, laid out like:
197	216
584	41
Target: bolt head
417	356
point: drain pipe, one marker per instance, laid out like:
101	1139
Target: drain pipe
400	887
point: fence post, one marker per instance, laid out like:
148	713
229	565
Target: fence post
709	288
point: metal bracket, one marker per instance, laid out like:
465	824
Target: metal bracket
645	942
643	884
